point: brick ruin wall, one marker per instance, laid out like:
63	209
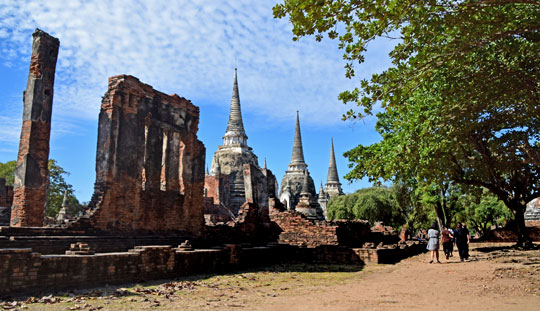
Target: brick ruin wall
6	193
32	173
149	163
6	199
296	229
22	270
215	199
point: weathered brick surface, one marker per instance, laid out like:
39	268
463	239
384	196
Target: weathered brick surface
6	199
149	162
101	244
297	230
31	174
216	199
22	270
391	253
532	223
25	271
6	193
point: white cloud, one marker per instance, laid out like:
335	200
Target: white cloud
11	130
184	47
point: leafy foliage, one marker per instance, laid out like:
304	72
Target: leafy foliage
57	187
7	171
483	210
373	204
460	103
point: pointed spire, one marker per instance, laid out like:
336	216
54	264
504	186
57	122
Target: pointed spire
332	168
265	163
321	190
207	173
297	158
235	133
65	200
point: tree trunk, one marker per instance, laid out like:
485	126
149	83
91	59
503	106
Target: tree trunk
439	212
524	240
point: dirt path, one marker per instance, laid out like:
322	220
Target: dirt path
509	280
501	279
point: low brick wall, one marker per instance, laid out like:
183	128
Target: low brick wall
48	245
299	231
389	255
24	271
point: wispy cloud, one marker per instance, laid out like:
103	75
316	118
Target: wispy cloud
11	129
184	47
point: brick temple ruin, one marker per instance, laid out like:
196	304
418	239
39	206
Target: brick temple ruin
151	194
149	162
32	173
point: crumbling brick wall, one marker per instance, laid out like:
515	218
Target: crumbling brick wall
32	172
297	230
6	193
22	270
217	199
256	188
149	162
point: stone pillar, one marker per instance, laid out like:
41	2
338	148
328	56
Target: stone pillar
32	173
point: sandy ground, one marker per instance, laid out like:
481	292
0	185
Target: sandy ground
499	278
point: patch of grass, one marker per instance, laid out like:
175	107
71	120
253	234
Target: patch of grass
203	291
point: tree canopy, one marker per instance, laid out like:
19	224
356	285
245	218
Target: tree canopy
57	187
7	171
460	103
373	204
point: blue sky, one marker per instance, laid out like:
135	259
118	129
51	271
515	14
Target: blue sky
190	48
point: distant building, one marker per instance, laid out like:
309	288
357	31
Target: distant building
332	187
297	190
532	212
225	188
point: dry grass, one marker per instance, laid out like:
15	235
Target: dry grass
497	278
200	292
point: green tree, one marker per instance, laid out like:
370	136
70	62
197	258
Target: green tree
482	210
6	171
460	104
444	199
340	207
57	186
372	204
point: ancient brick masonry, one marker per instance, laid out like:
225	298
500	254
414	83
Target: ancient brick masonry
6	199
149	162
299	231
6	193
31	174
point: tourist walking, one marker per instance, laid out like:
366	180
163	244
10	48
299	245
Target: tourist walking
453	242
463	239
447	243
433	242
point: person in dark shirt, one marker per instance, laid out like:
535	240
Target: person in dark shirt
446	239
463	239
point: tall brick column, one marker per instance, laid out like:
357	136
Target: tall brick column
31	174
